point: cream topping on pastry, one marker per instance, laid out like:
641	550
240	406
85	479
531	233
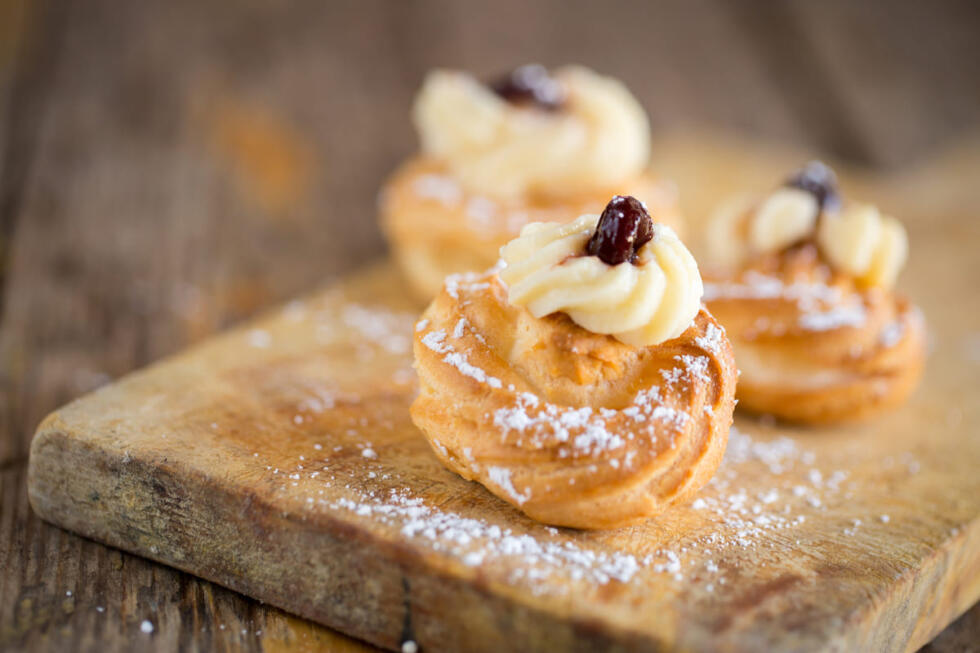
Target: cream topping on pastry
856	240
785	217
598	137
571	427
743	227
724	237
643	302
865	244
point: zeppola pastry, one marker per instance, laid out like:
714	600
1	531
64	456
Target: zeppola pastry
580	380
804	289
533	147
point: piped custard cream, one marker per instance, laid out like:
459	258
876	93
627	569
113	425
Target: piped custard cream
618	274
862	242
593	133
856	239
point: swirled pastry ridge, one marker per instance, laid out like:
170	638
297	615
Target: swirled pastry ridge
812	344
571	427
805	289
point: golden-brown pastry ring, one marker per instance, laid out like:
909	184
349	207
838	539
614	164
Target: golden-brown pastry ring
571	427
436	228
812	345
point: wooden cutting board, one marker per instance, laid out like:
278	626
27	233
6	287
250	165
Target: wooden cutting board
279	460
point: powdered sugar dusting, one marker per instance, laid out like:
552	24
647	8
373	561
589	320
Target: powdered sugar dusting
713	339
481	213
892	334
367	331
501	477
479	542
459	361
470	280
459	328
259	338
437	187
389	330
694	368
822	307
538	423
436	341
835	318
767	487
755	285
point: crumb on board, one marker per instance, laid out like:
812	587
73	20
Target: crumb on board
409	646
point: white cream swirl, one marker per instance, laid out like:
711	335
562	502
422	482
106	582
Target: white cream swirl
743	227
641	304
862	242
598	139
858	240
785	217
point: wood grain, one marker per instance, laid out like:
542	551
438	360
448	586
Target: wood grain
880	559
129	227
200	479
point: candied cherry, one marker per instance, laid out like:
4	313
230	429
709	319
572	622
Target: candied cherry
624	227
531	84
819	180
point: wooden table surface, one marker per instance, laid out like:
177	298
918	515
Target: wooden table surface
169	168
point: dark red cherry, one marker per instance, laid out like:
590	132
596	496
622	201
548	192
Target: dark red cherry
531	84
818	179
624	227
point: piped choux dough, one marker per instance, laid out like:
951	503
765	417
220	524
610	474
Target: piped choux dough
571	426
819	333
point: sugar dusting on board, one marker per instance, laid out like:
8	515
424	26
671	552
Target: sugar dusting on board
731	517
380	326
767	486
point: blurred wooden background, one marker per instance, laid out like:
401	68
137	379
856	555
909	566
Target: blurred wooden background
170	167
